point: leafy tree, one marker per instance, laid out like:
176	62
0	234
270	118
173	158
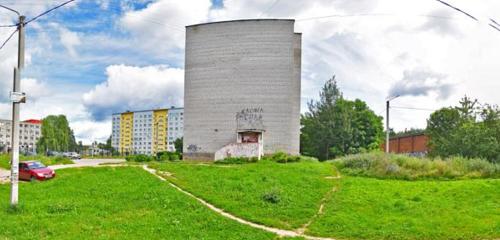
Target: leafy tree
335	126
56	135
178	143
469	130
410	132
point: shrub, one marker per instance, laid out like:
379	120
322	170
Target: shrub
168	156
282	157
237	160
139	158
381	165
272	196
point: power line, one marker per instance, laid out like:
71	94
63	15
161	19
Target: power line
31	20
269	8
414	108
12	34
372	15
494	25
493	21
8	8
457	9
48	11
6	26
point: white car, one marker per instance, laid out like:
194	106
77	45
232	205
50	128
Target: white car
72	155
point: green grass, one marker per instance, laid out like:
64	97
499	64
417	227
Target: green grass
112	203
367	208
103	157
249	190
398	166
5	160
361	208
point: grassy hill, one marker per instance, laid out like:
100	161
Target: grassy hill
129	203
360	208
112	203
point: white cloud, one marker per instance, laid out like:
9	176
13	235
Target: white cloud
368	53
135	88
103	4
34	89
370	46
159	28
89	131
70	40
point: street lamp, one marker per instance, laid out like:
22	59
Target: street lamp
387	121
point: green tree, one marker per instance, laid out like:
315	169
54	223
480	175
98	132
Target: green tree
335	126
469	130
56	135
410	132
178	143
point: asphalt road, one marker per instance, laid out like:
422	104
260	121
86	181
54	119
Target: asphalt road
5	174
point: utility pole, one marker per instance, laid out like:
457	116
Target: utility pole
387	134
17	98
387	127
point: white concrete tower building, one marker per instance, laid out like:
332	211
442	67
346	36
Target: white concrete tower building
242	89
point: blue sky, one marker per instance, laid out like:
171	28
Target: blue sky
96	57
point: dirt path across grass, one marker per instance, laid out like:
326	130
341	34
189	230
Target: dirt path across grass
277	231
119	162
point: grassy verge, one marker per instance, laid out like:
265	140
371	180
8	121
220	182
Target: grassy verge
103	157
112	203
280	195
367	208
394	166
5	160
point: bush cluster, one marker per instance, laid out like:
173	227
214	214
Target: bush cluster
397	166
281	157
161	156
168	156
272	196
139	158
237	160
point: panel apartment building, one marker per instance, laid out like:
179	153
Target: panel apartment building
147	132
29	133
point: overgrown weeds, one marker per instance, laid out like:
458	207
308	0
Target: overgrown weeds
397	166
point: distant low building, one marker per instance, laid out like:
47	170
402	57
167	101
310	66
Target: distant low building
29	133
147	132
413	144
94	150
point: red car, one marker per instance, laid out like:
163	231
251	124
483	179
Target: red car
33	170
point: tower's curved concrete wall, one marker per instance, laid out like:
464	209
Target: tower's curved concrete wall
246	67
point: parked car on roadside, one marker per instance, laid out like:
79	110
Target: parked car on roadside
74	155
34	170
54	153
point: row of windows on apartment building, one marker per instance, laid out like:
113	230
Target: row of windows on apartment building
149	130
25	131
25	137
21	144
21	125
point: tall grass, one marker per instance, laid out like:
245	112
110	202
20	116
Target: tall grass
397	166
